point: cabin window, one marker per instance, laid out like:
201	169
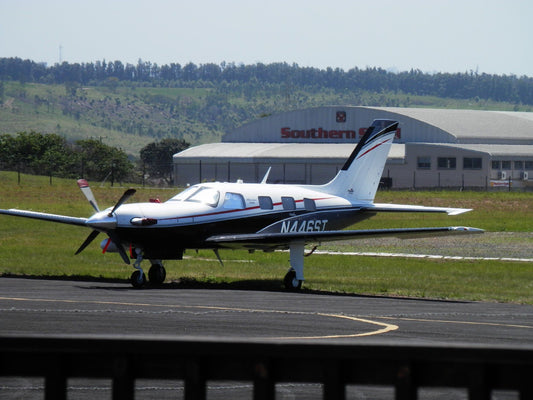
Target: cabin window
199	194
205	195
233	201
288	203
472	163
447	162
265	202
182	196
309	205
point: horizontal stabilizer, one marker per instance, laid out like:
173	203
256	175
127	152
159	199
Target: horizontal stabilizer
409	208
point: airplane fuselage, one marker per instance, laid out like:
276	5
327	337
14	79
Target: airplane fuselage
164	230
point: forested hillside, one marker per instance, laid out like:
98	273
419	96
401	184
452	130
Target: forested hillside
129	106
466	85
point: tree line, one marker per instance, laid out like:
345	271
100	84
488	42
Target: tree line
467	85
51	154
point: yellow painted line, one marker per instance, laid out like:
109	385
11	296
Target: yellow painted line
384	327
443	321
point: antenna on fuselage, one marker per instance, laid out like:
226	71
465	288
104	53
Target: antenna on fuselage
266	176
218	256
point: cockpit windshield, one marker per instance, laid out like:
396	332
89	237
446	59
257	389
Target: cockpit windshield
199	194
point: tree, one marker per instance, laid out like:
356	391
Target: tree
101	161
37	153
157	157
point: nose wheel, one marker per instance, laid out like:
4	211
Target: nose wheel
138	279
156	273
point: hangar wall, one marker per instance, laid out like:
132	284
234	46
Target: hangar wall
433	148
333	124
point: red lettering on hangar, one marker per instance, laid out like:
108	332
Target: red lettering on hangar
288	133
316	133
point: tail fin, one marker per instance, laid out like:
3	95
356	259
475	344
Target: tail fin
359	177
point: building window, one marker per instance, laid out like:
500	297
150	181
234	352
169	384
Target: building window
447	162
528	165
423	162
288	203
518	165
496	164
506	164
265	203
472	163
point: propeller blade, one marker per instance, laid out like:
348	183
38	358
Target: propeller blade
89	239
127	194
86	190
120	248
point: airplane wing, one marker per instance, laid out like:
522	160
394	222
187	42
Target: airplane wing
273	241
64	219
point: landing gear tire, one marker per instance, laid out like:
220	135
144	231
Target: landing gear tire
157	274
290	282
137	281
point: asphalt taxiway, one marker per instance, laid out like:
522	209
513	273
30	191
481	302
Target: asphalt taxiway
49	307
29	306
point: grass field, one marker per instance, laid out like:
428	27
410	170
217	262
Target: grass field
39	248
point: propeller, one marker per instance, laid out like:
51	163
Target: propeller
86	190
88	241
127	194
121	251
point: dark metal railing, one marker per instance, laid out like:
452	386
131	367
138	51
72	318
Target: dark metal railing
479	369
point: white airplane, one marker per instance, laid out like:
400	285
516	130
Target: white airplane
252	216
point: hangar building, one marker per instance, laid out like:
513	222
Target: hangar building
434	148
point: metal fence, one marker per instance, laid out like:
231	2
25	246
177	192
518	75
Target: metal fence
406	368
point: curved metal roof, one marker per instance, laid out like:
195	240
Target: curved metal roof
265	152
473	126
417	124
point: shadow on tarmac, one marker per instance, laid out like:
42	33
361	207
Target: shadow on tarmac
260	285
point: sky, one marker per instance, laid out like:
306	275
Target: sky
494	37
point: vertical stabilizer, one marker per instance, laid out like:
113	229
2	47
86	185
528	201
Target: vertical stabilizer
359	177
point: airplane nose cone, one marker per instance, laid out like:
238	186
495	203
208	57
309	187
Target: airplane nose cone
102	221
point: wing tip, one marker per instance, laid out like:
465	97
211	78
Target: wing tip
458	211
466	229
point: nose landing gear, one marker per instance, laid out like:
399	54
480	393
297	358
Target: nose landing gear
156	273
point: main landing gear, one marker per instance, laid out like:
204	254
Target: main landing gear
295	276
156	273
